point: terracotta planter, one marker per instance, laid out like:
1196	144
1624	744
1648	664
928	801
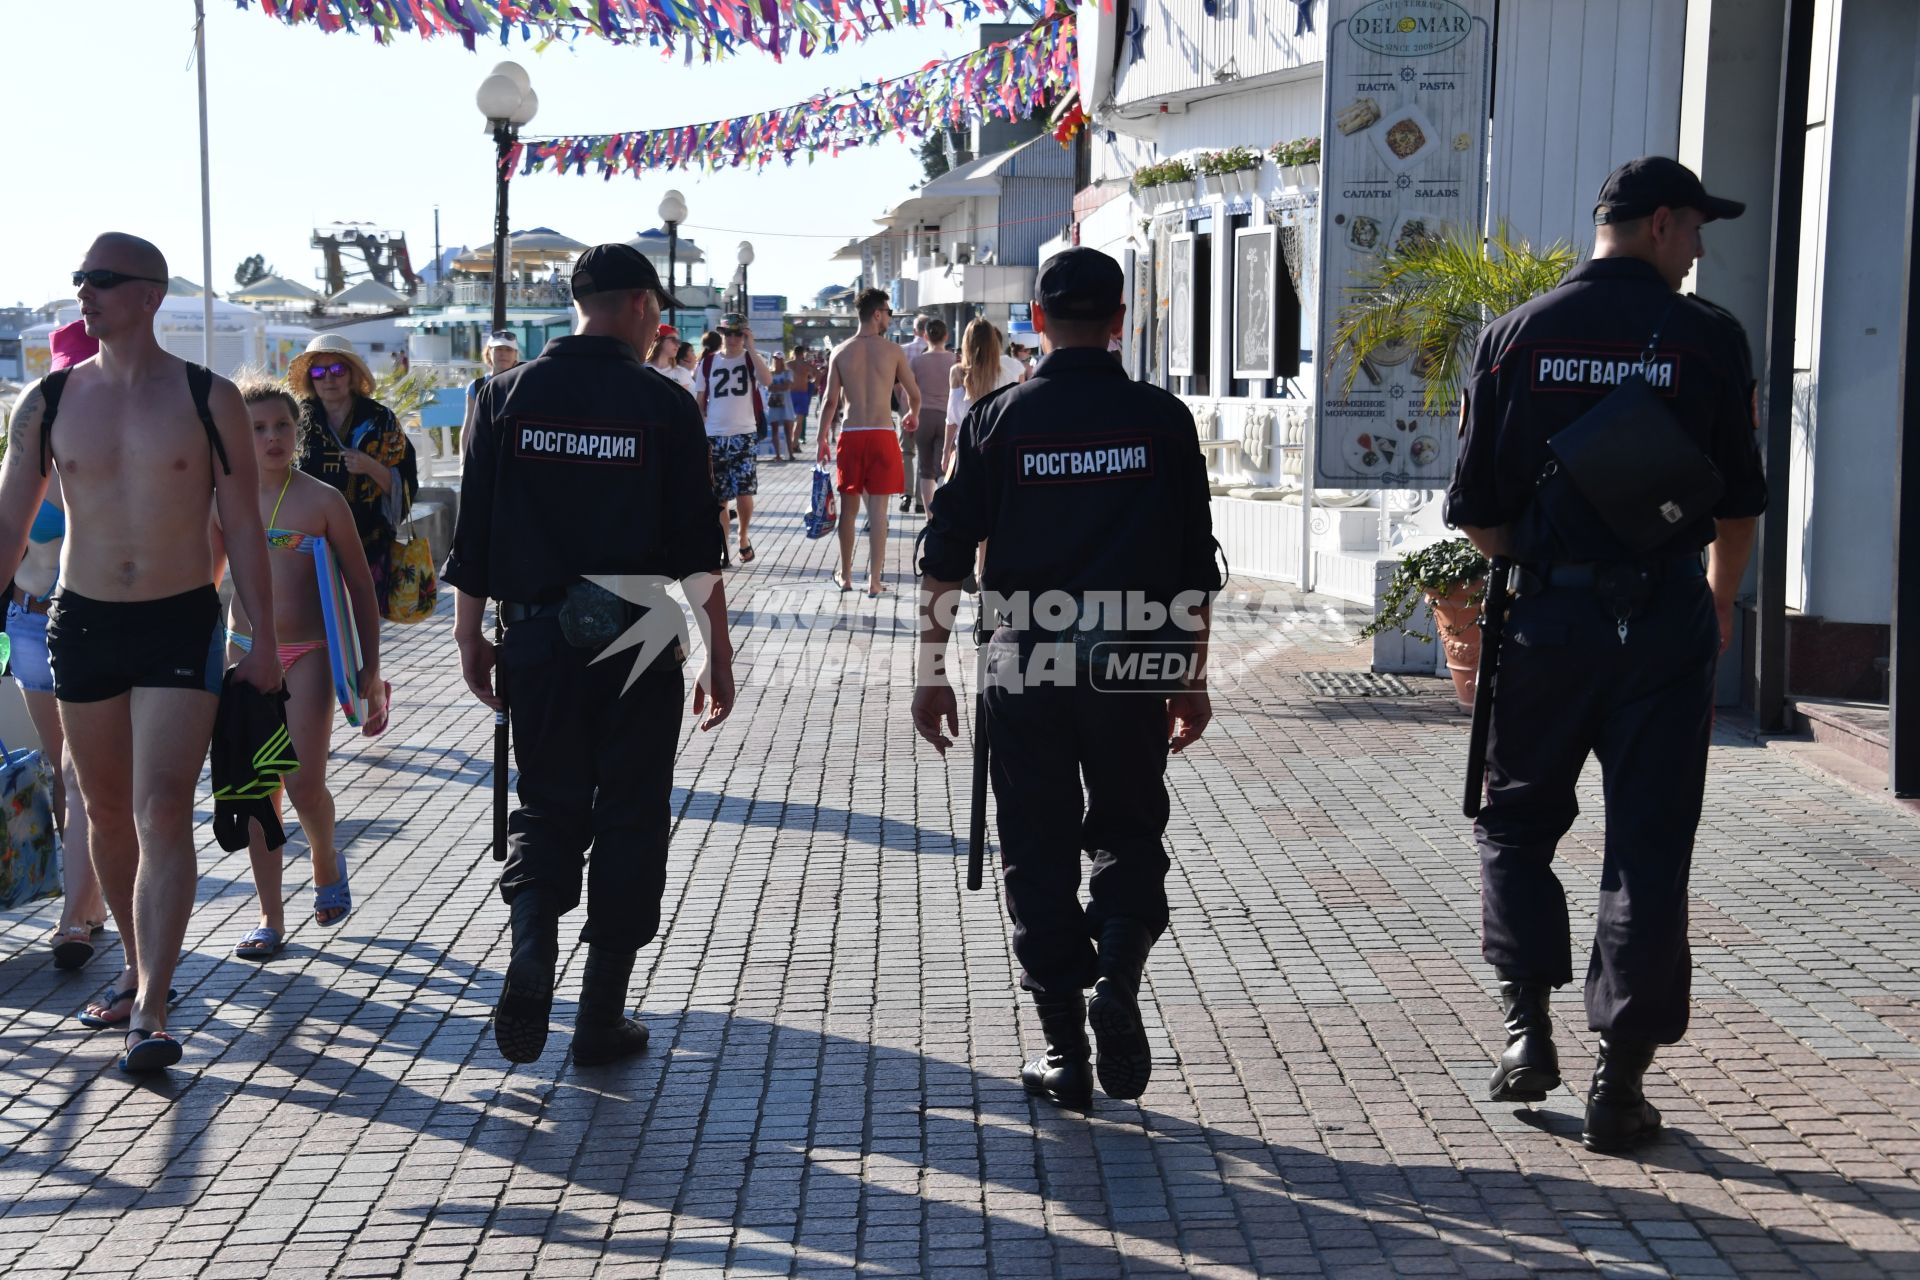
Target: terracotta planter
1458	625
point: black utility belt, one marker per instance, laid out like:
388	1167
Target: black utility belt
590	616
512	611
1625	586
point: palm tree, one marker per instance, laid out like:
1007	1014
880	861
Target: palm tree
1435	296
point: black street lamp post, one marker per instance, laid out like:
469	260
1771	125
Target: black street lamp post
745	257
506	98
673	212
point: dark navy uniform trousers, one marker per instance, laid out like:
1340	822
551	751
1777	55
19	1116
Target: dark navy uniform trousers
596	771
1568	686
1074	770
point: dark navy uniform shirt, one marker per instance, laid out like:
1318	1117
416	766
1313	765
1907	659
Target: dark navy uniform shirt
1545	363
1079	479
583	461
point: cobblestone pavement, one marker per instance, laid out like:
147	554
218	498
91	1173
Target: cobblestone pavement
832	1085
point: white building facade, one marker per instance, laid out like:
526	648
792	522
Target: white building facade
1579	87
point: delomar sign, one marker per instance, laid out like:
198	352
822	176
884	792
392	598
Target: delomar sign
1410	28
1403	161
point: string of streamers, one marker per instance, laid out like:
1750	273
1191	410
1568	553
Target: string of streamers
1007	81
715	28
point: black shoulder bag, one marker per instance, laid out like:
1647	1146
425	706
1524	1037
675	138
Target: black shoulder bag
1632	460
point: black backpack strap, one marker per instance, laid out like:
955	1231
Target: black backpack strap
200	383
51	387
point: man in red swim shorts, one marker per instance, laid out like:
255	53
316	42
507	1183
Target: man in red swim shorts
862	375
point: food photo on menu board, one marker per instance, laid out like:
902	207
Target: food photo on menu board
1404	163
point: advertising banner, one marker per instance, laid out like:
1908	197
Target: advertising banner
1403	157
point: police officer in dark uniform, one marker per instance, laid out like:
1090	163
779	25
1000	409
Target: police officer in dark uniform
1606	650
1091	493
587	462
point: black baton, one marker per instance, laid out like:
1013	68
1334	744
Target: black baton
1493	621
977	833
500	748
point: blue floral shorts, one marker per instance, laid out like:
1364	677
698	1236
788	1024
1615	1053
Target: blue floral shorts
734	475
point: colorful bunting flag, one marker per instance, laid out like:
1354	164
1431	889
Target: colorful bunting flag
718	28
1008	81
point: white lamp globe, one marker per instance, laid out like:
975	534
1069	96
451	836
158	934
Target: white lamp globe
497	97
529	106
673	207
745	256
514	72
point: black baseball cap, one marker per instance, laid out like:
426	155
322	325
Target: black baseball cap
607	267
1638	187
1080	284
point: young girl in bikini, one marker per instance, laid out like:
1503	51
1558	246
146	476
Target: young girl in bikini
298	509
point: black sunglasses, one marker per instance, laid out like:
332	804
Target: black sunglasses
101	278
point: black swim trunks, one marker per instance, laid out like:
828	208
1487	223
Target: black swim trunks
100	649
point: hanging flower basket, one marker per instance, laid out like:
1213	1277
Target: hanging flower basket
1300	175
1169	182
1173	193
1233	173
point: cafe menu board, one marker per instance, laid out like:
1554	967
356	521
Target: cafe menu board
1403	158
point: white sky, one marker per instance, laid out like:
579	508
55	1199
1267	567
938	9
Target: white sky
308	129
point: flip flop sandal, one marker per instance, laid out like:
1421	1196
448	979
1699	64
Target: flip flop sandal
374	731
262	944
75	947
337	896
98	1023
746	553
156	1052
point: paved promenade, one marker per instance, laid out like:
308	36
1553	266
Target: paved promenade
832	1087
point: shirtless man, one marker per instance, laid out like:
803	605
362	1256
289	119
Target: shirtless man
862	374
134	634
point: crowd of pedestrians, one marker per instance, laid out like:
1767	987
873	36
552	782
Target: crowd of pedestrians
302	487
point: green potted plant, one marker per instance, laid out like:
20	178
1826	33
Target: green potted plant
1168	182
1294	157
1233	172
1435	295
1451	576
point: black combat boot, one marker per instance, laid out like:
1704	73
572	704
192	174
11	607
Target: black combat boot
1530	1068
1619	1116
526	998
604	1032
1126	1059
1063	1075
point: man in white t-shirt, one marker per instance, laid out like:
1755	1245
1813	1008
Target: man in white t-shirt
728	385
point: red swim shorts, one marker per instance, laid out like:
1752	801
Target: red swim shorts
869	462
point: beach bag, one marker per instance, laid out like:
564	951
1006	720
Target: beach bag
821	517
29	848
412	588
